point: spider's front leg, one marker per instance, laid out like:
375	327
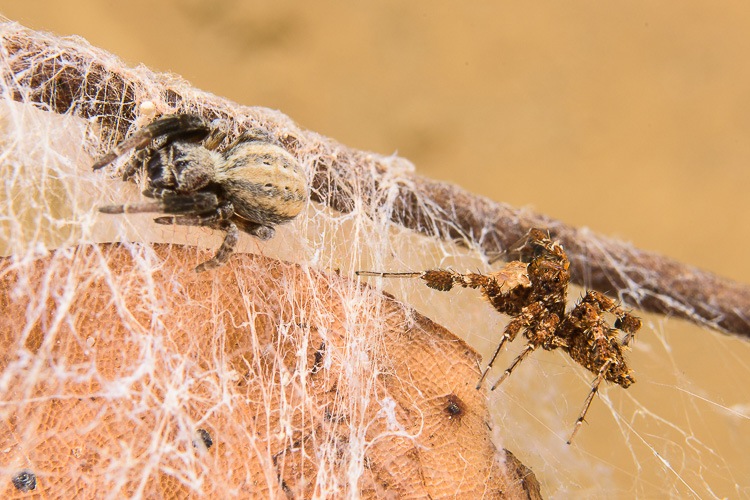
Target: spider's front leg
175	127
136	163
511	331
167	203
444	280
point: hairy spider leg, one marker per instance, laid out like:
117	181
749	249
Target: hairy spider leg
218	219
193	205
260	231
388	275
492	361
223	211
624	322
215	138
226	248
180	126
541	334
594	389
169	204
136	162
524	354
511	331
445	279
438	279
251	135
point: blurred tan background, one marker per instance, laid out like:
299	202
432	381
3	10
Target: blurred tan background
630	118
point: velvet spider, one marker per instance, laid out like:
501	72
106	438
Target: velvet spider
251	185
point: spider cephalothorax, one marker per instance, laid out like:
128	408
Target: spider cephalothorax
253	184
533	291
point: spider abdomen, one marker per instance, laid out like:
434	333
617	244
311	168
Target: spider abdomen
263	181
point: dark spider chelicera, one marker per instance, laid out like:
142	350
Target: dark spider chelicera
251	185
533	292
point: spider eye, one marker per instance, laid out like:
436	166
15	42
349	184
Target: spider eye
179	165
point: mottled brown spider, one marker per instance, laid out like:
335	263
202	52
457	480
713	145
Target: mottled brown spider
253	184
533	292
454	407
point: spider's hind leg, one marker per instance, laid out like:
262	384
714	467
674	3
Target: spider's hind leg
254	134
214	221
218	219
260	231
587	404
624	322
225	250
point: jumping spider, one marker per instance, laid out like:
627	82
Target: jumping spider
533	292
253	184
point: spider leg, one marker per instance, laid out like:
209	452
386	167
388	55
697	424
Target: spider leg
168	204
526	248
222	212
136	162
625	321
539	333
254	134
219	220
511	330
524	354
492	361
444	279
174	126
226	248
590	398
515	325
260	231
389	275
217	135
